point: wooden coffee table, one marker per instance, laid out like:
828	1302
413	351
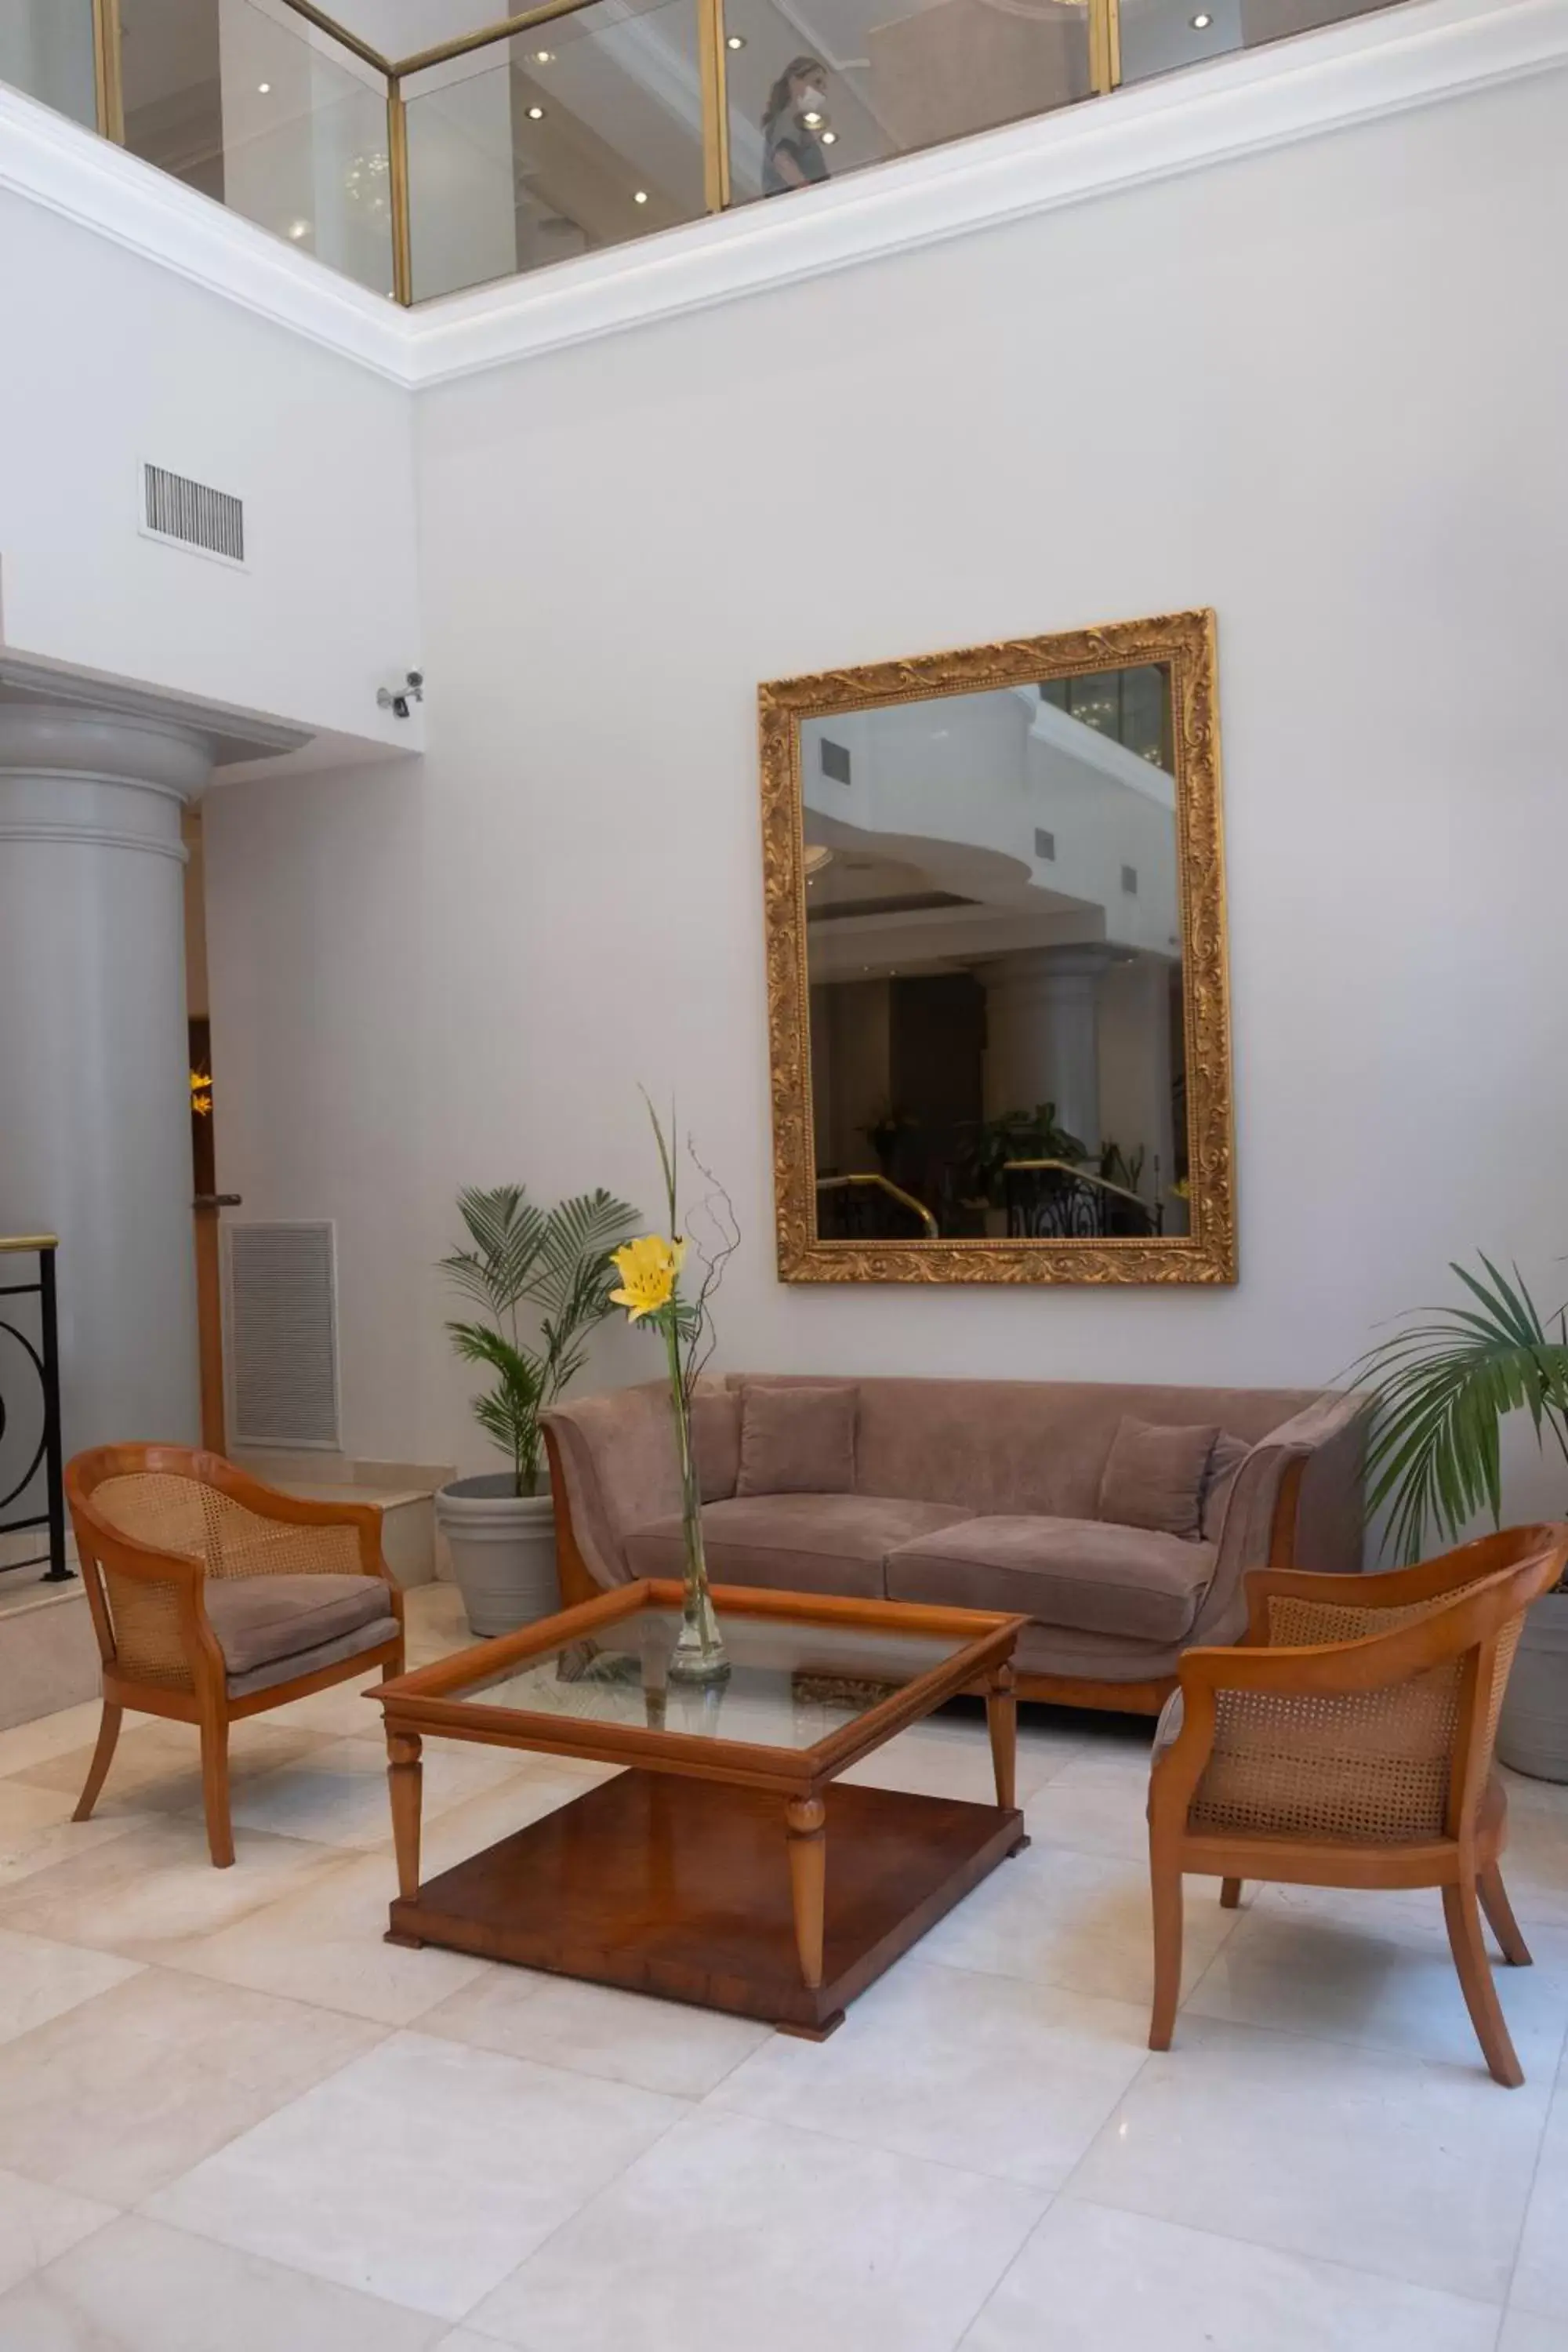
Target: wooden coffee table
722	1865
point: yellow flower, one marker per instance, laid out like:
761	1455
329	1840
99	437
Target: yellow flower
648	1269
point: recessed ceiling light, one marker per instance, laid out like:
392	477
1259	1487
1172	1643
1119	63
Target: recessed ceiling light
813	119
544	57
264	88
828	137
297	230
736	41
640	195
1202	22
536	114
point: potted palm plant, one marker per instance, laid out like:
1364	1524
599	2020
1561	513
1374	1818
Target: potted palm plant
1444	1385
554	1266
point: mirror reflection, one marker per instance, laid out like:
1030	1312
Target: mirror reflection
993	950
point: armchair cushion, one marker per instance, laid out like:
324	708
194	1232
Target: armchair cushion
260	1619
312	1661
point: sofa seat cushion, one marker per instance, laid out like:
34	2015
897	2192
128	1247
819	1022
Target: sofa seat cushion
1083	1573
261	1619
799	1543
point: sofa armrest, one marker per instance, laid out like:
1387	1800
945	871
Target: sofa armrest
1297	1493
614	1468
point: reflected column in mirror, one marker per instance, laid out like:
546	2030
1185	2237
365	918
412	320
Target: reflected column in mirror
997	1038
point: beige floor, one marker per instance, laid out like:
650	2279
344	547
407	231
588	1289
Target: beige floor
232	2119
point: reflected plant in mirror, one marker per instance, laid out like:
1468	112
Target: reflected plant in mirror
998	993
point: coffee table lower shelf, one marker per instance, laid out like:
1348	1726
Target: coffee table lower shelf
680	1887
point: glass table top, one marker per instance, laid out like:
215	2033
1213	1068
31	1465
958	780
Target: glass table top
792	1684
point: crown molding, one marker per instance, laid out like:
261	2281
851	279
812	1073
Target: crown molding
1411	55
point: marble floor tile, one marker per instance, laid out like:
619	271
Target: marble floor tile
337	1795
36	2224
1526	2331
1096	1803
152	1889
157	1767
340	1712
930	1761
1535	1865
140	2286
1541	2275
40	1980
1387	2163
424	2173
327	1945
983	2071
1357	1969
125	2092
1082	1921
596	2030
1094	2281
47	1736
735	2232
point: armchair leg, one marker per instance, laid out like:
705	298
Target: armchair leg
1500	1918
102	1756
1463	1918
1230	1894
1165	1880
214	1791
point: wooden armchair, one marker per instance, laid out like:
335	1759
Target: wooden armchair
1348	1742
215	1597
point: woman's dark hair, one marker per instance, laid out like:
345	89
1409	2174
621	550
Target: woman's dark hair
778	97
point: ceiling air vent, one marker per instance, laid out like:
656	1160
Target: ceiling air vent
835	761
187	514
283	1334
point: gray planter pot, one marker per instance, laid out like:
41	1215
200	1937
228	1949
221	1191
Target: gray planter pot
503	1551
1532	1735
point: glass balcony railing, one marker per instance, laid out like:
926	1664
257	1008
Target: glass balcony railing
581	123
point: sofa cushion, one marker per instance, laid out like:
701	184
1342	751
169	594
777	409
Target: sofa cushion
1153	1477
1229	1454
798	1441
800	1543
1136	1582
716	1441
259	1619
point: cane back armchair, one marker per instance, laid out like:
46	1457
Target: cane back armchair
215	1597
1348	1742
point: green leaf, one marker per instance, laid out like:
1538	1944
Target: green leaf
1442	1386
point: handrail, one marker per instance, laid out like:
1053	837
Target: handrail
28	1241
1083	1174
48	1457
894	1191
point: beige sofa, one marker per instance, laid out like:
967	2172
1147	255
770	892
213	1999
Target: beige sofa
985	1493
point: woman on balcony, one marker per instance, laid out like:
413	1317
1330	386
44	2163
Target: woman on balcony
797	112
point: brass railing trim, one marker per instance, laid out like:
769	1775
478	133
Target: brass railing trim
1084	1175
402	200
9	1241
894	1191
108	74
712	64
340	32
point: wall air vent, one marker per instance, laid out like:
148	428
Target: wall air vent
282	1335
1130	880
1045	842
835	761
188	514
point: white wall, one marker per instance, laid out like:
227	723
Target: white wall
1349	443
128	361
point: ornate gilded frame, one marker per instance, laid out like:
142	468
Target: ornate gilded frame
1185	643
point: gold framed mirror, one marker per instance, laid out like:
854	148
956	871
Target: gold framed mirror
994	904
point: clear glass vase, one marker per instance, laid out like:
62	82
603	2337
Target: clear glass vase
699	1656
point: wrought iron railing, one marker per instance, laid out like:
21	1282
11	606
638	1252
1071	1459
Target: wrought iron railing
869	1208
32	1471
577	124
1050	1199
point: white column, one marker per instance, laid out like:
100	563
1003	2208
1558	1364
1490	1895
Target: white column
1042	1029
94	1091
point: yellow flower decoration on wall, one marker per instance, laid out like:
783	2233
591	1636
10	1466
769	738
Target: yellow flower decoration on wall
648	1269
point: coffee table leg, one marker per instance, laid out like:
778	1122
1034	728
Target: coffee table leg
805	1817
404	1774
1002	1720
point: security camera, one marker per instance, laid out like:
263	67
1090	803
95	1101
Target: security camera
397	700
